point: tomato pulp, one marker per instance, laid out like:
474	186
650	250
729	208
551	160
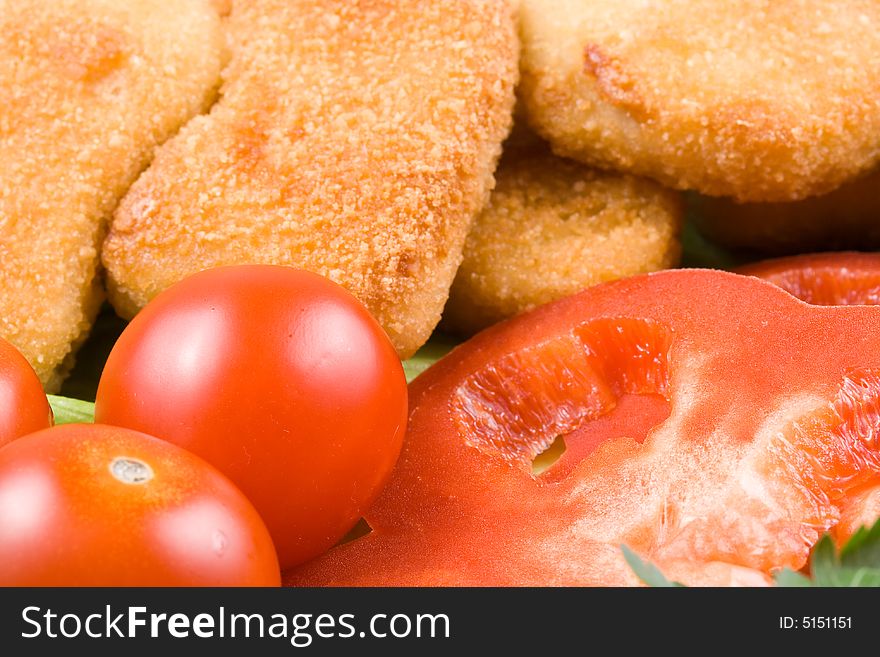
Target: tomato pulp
712	422
843	278
93	505
280	379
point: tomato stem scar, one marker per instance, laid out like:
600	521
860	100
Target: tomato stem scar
130	471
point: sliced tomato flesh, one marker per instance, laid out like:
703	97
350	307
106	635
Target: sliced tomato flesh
824	279
712	422
860	509
569	385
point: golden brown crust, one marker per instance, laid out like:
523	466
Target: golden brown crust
356	140
847	218
222	7
90	87
554	227
758	100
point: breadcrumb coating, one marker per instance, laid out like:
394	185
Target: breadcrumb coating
554	227
759	100
847	218
222	7
353	139
89	88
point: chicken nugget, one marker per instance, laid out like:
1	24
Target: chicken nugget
352	139
89	88
554	227
757	100
847	218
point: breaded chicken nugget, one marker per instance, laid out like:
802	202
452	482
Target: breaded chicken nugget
222	7
847	218
554	227
89	88
757	100
353	139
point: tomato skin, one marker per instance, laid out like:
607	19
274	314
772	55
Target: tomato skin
843	278
68	521
23	404
279	378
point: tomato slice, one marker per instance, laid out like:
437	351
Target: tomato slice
713	423
832	279
826	279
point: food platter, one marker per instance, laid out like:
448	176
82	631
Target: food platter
243	229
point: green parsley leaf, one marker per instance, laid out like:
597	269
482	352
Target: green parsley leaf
824	563
857	564
790	578
647	572
863	549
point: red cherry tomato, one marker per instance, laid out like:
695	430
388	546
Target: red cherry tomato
23	404
279	378
93	505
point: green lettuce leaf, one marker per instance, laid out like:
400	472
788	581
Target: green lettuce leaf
69	411
438	346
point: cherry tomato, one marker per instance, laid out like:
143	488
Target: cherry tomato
93	505
279	378
23	404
